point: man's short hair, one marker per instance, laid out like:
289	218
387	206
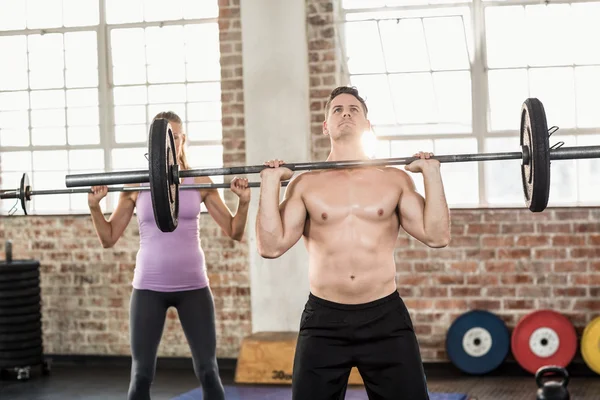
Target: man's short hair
345	90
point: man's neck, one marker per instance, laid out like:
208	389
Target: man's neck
347	151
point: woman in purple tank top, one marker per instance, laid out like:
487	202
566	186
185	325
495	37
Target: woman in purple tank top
176	278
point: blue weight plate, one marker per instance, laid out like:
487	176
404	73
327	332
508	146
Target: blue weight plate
477	342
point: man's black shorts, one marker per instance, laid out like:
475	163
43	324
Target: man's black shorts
376	337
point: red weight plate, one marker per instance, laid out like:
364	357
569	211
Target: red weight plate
543	338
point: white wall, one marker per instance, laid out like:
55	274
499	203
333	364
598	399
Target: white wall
276	103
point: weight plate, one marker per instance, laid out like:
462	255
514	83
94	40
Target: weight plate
24	190
9	294
7	278
164	188
21	345
18	266
535	170
19	301
24	310
20	284
477	342
19	319
542	338
19	328
20	336
590	345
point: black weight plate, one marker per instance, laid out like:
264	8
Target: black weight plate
24	190
21	345
31	352
24	310
164	189
20	336
19	266
535	173
19	301
19	328
20	284
22	362
10	277
9	294
19	319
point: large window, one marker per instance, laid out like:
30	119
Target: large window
450	77
85	79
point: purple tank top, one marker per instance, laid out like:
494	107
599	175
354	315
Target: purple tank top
170	261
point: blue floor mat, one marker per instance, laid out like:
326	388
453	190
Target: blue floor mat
285	393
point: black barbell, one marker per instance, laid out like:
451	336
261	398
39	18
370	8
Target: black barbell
163	174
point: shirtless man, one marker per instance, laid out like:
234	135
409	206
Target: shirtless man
350	219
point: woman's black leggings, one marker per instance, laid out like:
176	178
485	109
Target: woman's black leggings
148	310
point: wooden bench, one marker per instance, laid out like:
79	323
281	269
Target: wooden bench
268	357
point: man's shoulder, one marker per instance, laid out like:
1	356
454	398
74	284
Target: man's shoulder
397	174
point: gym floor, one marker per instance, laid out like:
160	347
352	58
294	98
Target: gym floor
67	382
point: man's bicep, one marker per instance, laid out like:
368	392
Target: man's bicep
293	215
412	210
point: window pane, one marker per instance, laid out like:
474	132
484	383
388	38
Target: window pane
48	136
167	37
82	97
209	111
131	133
205	156
178	108
51	160
563	176
46	61
128	47
131	158
549	32
203	71
505	30
363	47
80	12
588	96
130	74
376	92
12	15
507	91
166	93
83	135
447	44
13	75
45	99
555	88
14	101
83	116
204	131
588	172
81	50
165	73
200	9
155	10
460	179
414	98
44	14
119	12
202	44
210	91
14	137
14	119
453	94
48	118
130	95
92	159
585	26
16	161
404	45
503	183
130	115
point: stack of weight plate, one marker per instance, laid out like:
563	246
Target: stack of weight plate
21	345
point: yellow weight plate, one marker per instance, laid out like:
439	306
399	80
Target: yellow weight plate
590	345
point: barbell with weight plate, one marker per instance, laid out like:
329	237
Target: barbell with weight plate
164	174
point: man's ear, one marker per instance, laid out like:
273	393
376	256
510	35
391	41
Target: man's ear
325	130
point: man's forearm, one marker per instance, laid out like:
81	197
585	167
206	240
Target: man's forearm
269	228
436	217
